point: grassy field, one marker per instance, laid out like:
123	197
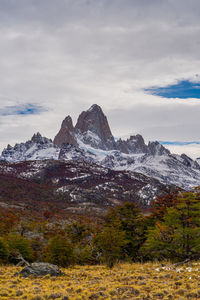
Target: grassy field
124	281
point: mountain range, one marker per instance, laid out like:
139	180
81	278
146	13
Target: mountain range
91	141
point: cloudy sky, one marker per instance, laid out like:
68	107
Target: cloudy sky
138	59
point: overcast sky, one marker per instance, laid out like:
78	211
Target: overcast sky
58	57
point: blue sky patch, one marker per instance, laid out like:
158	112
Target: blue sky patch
179	143
182	89
22	109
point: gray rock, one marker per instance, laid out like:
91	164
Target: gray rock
155	148
40	269
93	128
135	144
66	135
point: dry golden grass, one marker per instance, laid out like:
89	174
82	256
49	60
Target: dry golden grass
124	281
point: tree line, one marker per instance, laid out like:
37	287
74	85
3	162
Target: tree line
170	231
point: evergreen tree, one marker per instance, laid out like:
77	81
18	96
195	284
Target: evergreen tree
127	218
178	236
59	251
109	242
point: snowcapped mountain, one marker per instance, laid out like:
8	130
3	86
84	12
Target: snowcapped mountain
91	140
37	148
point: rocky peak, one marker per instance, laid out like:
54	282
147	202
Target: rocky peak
37	136
92	128
9	147
122	146
38	139
66	133
135	144
67	123
38	147
155	148
187	161
95	107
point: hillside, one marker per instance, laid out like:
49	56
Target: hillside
74	187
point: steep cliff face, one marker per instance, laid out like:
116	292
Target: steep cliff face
66	135
92	128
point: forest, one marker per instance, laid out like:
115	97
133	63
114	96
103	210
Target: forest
170	231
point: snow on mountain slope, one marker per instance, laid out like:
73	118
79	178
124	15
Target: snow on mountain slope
167	168
83	184
37	148
91	140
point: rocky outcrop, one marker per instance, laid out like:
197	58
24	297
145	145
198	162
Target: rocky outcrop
92	128
66	133
187	161
38	147
38	139
155	148
40	269
69	151
135	144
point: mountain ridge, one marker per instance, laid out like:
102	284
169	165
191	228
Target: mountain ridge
91	140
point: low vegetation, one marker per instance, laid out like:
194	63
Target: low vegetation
123	281
121	256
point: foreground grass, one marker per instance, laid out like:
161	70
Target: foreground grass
124	281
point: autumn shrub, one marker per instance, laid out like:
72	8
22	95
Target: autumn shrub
19	245
59	251
3	251
7	221
85	255
78	231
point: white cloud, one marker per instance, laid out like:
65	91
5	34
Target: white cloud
192	150
66	55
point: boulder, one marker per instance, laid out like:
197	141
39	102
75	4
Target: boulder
40	269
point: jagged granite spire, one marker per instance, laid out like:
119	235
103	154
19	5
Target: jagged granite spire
66	133
93	128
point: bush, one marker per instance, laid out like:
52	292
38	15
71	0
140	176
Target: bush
84	256
19	245
3	251
59	251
